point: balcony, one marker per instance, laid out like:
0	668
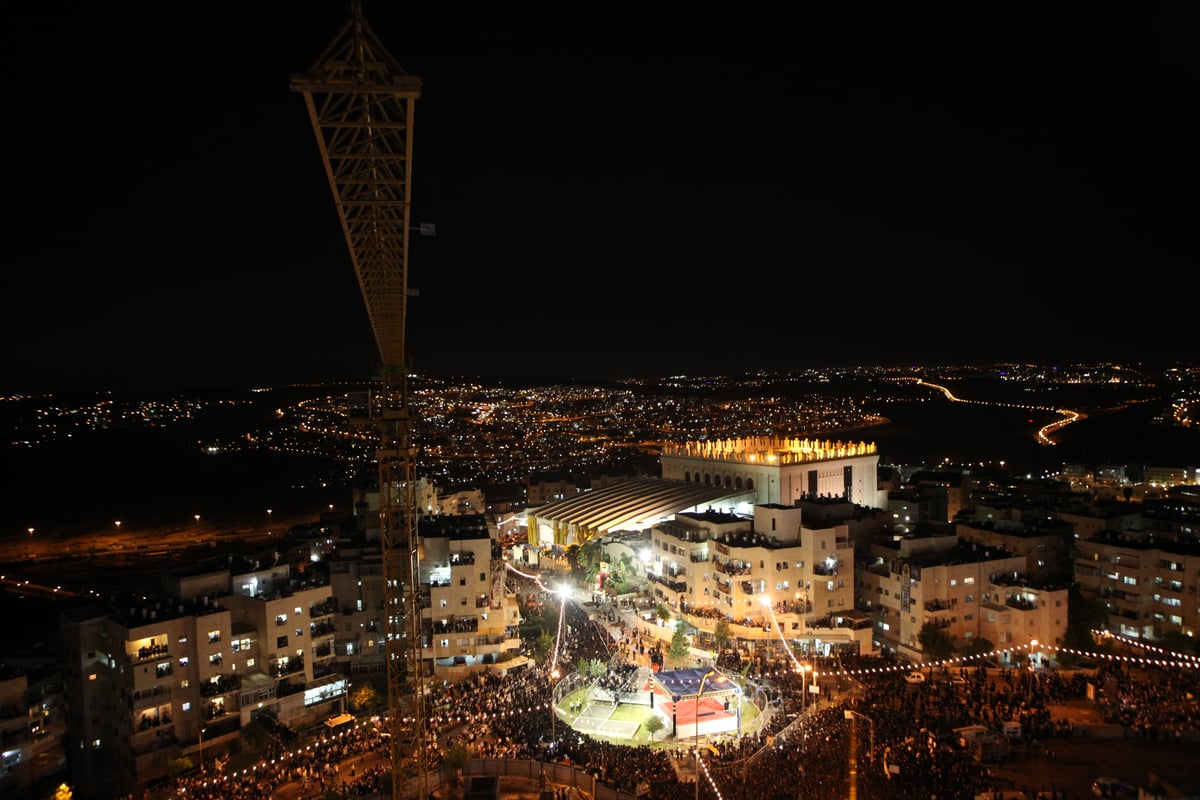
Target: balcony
457	625
146	698
794	607
214	711
324	609
149	720
293	665
326	628
150	652
1020	603
679	587
222	684
164	740
937	605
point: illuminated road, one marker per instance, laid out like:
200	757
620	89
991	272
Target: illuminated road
1044	434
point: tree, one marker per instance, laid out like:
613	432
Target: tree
260	740
592	667
1084	614
587	559
680	648
979	646
1179	642
545	644
936	644
654	725
721	634
621	573
458	757
364	697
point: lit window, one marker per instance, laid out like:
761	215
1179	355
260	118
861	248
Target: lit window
186	706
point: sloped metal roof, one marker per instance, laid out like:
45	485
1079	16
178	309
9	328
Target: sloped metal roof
632	504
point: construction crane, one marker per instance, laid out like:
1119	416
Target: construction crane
360	103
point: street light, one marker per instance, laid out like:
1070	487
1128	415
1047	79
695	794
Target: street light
853	716
1030	664
202	731
118	524
197	516
804	671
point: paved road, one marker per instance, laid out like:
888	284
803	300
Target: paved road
1072	764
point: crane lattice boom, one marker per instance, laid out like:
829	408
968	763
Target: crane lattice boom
360	103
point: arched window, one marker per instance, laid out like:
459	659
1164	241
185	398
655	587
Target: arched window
728	482
687	476
750	484
707	479
737	484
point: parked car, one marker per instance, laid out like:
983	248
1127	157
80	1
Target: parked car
914	677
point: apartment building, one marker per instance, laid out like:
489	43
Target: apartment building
1046	544
31	726
156	676
969	590
768	577
470	619
1147	582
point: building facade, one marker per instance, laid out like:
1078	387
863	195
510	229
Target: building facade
963	589
1147	583
779	470
770	579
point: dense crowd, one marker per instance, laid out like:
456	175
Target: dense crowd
802	749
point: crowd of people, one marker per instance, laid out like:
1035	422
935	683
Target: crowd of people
898	733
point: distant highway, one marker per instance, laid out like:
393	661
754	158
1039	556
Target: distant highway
1044	435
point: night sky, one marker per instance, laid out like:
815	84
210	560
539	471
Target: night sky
614	194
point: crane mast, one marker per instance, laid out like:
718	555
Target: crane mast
360	103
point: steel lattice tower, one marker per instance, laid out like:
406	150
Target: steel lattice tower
360	103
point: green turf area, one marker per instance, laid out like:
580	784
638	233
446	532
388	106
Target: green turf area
628	712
